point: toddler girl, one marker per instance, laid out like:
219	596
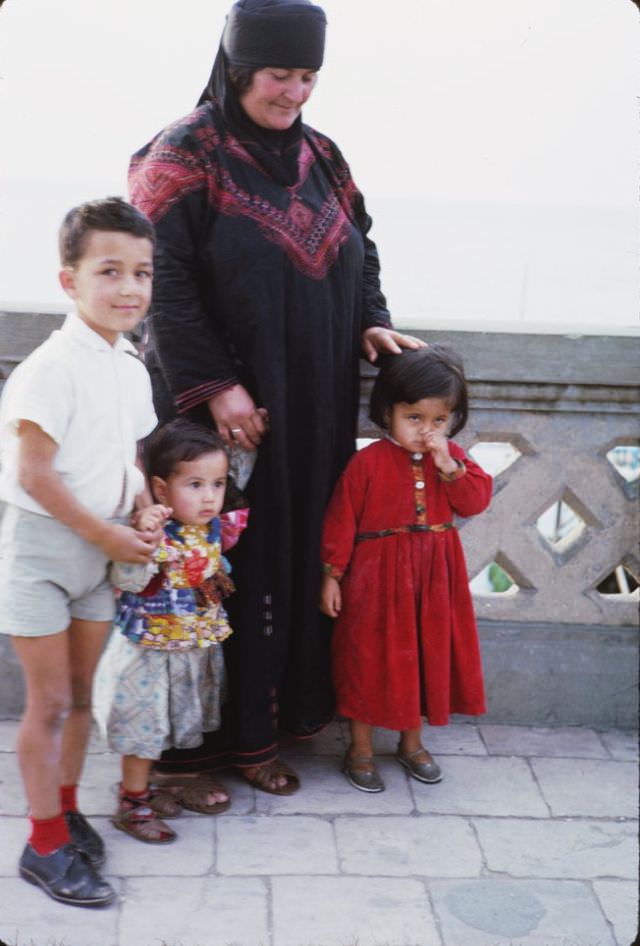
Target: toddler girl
405	644
160	680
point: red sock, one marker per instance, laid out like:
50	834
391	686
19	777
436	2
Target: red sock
48	834
68	798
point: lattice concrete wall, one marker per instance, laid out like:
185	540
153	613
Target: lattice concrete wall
555	650
563	456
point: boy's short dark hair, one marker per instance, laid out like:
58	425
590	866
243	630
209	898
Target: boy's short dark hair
180	441
436	371
110	214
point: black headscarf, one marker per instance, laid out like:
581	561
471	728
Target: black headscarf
258	33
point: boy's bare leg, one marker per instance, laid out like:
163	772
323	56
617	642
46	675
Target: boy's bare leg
85	643
52	857
45	662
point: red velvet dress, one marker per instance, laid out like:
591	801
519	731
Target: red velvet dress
405	645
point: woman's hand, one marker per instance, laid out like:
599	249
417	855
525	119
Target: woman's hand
237	418
380	341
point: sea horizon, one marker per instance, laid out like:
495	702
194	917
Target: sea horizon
467	265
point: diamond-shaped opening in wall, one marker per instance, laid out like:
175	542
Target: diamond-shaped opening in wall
494	456
620	581
625	458
493	580
560	525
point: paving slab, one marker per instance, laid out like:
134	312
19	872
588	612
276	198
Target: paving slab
29	918
192	853
189	911
13	836
398	846
275	845
325	791
8	733
566	742
496	787
12	801
570	849
98	787
549	813
622	744
329	741
455	739
619	900
491	912
352	911
593	788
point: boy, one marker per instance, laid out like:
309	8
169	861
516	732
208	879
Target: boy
70	418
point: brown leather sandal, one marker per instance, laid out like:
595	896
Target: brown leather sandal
187	791
164	803
268	773
135	817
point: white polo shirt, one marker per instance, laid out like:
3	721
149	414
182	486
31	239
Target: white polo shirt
94	400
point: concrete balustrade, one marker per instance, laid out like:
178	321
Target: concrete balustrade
556	650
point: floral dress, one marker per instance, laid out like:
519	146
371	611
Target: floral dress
160	682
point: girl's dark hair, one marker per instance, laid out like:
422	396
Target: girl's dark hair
179	441
436	371
110	214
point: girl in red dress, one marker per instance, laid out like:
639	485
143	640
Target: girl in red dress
405	643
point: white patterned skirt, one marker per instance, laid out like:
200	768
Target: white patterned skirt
146	700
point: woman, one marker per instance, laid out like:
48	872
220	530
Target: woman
266	293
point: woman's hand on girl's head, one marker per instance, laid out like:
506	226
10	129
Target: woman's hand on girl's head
330	596
378	340
237	419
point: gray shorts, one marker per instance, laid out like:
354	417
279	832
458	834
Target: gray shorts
49	575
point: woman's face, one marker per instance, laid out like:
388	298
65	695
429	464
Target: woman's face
276	96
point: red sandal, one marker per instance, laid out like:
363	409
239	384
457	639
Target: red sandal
135	817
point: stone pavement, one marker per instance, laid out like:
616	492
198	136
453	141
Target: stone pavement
529	840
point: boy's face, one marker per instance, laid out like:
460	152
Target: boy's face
111	283
195	489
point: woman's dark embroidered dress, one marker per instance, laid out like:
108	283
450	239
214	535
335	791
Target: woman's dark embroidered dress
271	286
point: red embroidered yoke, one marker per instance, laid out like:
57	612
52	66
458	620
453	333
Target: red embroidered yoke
405	645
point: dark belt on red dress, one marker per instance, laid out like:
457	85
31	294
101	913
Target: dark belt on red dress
399	530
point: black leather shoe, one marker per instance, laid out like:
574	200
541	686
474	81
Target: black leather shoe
67	876
85	838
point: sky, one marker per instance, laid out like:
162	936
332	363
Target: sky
436	104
